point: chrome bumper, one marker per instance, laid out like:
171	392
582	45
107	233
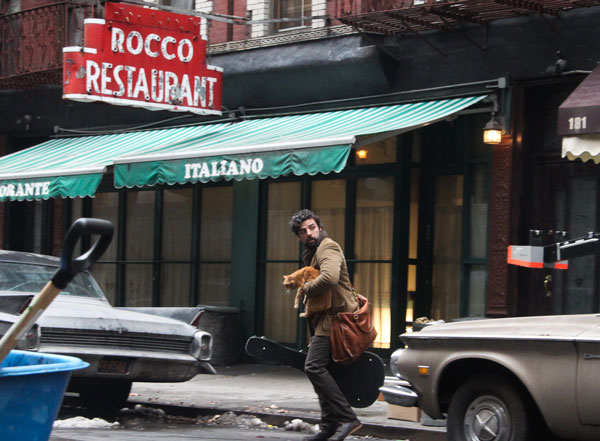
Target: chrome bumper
399	393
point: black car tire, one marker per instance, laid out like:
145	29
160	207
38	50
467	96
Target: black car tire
104	397
487	408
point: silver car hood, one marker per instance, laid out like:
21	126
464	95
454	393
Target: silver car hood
91	314
552	327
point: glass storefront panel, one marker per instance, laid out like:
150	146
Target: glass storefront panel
479	210
283	202
379	152
215	283
477	290
328	201
411	290
374	218
215	226
413	235
373	241
447	247
176	247
215	245
175	284
281	319
138	285
139	248
373	280
105	206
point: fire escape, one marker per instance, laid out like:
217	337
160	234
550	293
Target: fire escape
31	42
398	17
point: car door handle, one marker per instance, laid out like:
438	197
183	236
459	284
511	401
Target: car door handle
547	285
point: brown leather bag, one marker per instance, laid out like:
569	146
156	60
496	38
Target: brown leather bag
351	333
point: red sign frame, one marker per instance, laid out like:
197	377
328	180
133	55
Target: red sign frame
146	58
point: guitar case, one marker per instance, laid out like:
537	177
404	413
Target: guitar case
359	382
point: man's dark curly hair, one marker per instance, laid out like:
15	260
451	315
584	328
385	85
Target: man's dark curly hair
300	217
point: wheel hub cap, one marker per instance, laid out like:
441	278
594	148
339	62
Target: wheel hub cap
486	419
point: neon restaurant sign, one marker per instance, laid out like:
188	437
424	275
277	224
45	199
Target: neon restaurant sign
144	58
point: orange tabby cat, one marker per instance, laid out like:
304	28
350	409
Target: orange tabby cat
313	304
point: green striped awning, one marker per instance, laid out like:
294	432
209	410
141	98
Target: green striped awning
273	147
253	148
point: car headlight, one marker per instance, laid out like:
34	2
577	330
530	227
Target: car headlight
395	360
27	341
30	341
202	346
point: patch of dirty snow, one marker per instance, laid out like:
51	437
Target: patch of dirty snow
80	422
297	425
144	412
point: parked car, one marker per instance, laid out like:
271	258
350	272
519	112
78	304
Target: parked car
121	346
511	379
30	341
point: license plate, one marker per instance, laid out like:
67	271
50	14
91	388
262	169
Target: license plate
108	366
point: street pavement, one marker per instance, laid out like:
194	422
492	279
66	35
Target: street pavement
274	394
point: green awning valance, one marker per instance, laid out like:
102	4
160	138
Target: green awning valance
250	149
246	166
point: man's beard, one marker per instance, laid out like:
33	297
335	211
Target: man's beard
311	243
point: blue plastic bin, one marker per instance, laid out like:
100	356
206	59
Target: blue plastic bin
32	386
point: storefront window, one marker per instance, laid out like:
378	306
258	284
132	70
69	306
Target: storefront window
328	201
380	152
413	238
105	206
215	245
477	277
373	242
176	247
139	248
479	211
447	247
281	319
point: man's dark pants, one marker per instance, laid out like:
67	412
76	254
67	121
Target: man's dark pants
334	405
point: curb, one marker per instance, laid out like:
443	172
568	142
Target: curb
423	433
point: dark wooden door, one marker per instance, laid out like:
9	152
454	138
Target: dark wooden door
565	197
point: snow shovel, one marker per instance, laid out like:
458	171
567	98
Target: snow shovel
69	267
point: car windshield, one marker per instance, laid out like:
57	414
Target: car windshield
23	277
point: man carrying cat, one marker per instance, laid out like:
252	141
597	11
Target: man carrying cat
338	420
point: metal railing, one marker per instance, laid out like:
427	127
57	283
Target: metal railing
31	42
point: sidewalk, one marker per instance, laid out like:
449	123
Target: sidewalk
273	393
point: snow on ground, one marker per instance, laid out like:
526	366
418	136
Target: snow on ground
80	422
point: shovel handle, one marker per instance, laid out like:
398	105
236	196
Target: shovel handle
69	267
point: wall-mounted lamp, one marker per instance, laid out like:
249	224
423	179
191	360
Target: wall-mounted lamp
492	132
362	153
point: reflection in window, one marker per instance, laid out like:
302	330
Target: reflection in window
447	247
291	9
140	248
176	246
380	152
179	4
479	211
373	241
215	245
105	206
328	201
281	319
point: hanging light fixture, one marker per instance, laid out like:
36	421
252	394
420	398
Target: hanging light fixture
492	132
